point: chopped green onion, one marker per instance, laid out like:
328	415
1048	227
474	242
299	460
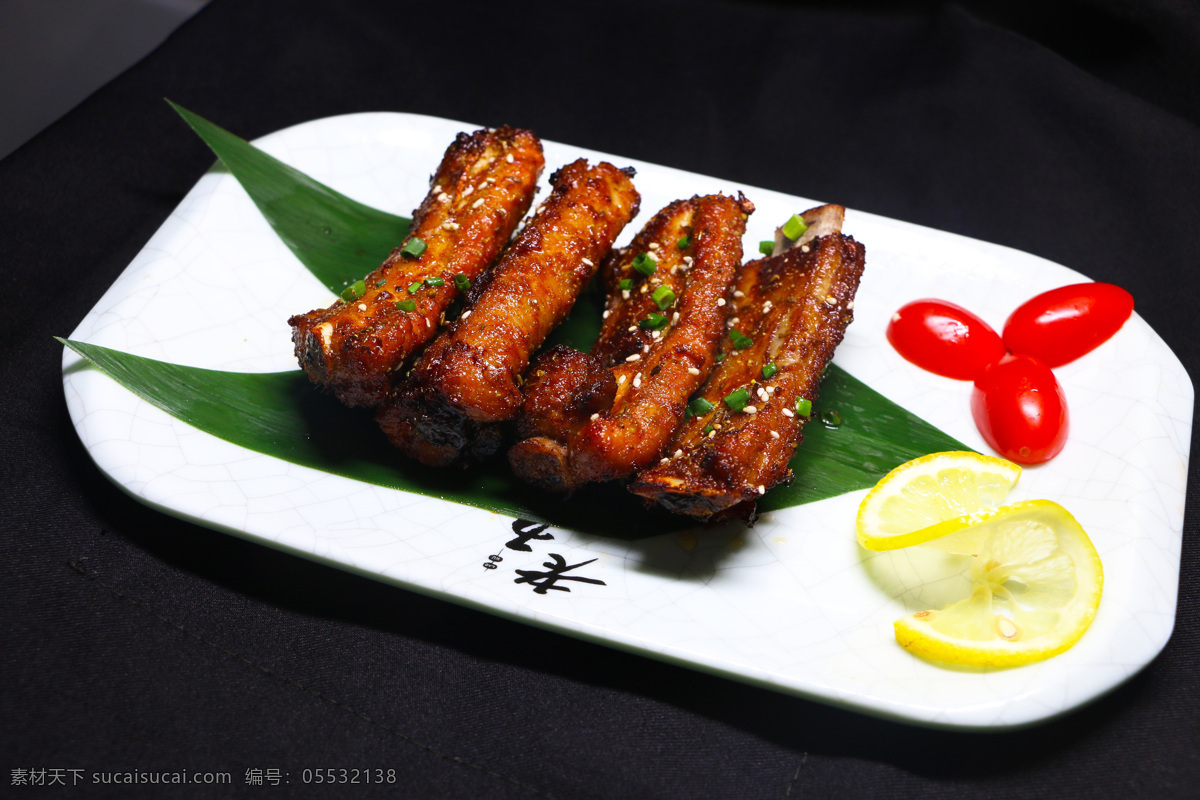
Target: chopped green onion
794	227
413	287
626	284
769	370
700	406
413	248
354	291
653	322
644	264
462	282
720	357
407	305
434	282
380	282
737	399
687	413
803	407
766	246
663	296
684	241
708	429
740	340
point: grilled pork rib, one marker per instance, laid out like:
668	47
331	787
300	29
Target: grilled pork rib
467	382
481	190
791	311
605	414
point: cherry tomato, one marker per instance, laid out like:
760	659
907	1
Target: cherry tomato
944	338
1021	410
1062	324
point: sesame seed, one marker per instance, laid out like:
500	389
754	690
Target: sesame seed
762	489
634	357
656	335
652	256
677	454
774	434
637	381
739	294
477	203
787	412
762	394
632	328
467	191
437	189
750	410
804	248
830	300
645	288
720	301
620	380
688	260
509	158
624	294
654	245
443	198
712	433
588	262
645	348
605	314
595	416
693	371
465	314
362	306
665	461
766	306
770	390
850	305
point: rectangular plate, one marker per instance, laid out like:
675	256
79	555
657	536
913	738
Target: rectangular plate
793	603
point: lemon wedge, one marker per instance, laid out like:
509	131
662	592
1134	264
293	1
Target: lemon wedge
1036	580
932	496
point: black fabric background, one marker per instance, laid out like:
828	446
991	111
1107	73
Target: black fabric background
132	641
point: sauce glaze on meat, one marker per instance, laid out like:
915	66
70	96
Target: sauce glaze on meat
449	408
481	190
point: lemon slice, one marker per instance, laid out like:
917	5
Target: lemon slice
931	496
1037	583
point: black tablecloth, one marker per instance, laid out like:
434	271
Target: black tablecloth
133	642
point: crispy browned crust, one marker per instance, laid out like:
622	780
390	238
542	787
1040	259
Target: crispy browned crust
478	195
468	380
795	307
610	412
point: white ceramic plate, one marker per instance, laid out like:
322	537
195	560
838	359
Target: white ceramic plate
792	604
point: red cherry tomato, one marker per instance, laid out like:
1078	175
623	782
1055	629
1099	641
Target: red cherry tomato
1062	324
1020	409
944	338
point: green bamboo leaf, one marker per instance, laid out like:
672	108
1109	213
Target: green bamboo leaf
280	415
340	240
874	437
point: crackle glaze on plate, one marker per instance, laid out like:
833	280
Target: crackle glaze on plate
791	604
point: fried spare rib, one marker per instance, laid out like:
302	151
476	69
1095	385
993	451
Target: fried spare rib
791	311
478	195
467	382
610	412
